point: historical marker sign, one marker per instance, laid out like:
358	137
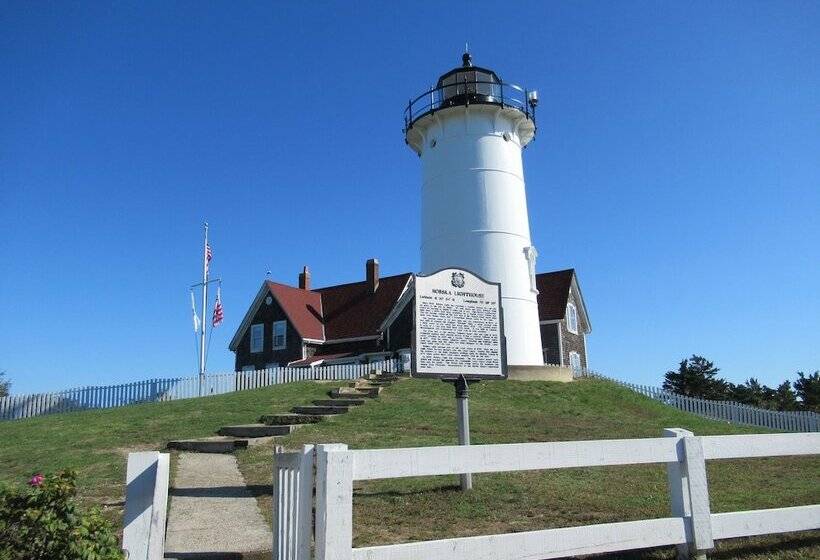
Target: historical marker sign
459	327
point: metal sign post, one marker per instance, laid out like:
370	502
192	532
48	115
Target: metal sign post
458	337
463	412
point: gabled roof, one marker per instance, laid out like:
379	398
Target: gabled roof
303	308
553	293
332	313
351	311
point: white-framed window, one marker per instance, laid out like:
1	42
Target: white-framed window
572	318
248	368
575	361
257	337
280	331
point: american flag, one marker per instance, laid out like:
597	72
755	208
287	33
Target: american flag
208	254
218	314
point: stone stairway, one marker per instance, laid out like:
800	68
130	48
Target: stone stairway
213	514
231	438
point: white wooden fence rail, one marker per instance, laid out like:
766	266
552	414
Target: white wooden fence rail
691	526
159	390
727	411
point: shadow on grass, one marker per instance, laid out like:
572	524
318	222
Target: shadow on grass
252	490
741	549
448	488
732	549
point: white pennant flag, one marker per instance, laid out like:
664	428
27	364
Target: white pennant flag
193	310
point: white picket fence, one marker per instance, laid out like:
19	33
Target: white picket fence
727	411
159	390
691	526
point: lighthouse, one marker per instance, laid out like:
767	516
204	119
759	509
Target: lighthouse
469	131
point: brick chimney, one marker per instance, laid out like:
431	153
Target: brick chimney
304	279
372	267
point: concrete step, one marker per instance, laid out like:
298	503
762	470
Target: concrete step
339	402
373	382
367	385
382	377
255	430
346	392
289	419
320	410
216	444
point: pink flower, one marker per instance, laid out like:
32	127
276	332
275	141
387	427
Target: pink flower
36	480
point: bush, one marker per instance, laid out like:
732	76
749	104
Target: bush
44	522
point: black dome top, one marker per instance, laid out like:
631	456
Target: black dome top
468	73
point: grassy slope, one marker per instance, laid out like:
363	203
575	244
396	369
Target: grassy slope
421	413
95	443
415	413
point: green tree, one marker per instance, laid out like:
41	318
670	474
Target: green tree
751	392
696	377
4	384
784	397
807	388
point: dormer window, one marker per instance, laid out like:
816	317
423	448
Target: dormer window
279	335
572	318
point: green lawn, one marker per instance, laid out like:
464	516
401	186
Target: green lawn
96	443
420	413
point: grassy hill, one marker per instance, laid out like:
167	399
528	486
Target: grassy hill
422	412
96	443
419	413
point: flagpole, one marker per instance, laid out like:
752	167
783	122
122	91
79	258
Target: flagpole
204	312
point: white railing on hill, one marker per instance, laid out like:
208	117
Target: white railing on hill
727	411
160	390
691	526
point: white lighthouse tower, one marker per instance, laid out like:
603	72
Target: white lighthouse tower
469	131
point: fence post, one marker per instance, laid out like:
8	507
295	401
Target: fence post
334	502
689	494
146	500
292	503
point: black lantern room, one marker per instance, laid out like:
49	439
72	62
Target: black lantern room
470	85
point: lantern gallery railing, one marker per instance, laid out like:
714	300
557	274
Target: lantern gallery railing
470	92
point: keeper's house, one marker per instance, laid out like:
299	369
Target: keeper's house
370	320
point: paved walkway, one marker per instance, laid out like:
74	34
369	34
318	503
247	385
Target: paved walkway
213	514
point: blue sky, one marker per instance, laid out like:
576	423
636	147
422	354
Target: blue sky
677	168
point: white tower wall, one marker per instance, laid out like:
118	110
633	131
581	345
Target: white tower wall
474	209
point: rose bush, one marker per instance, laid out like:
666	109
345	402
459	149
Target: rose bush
44	522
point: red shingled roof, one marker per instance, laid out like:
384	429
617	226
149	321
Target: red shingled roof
553	291
303	308
350	310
